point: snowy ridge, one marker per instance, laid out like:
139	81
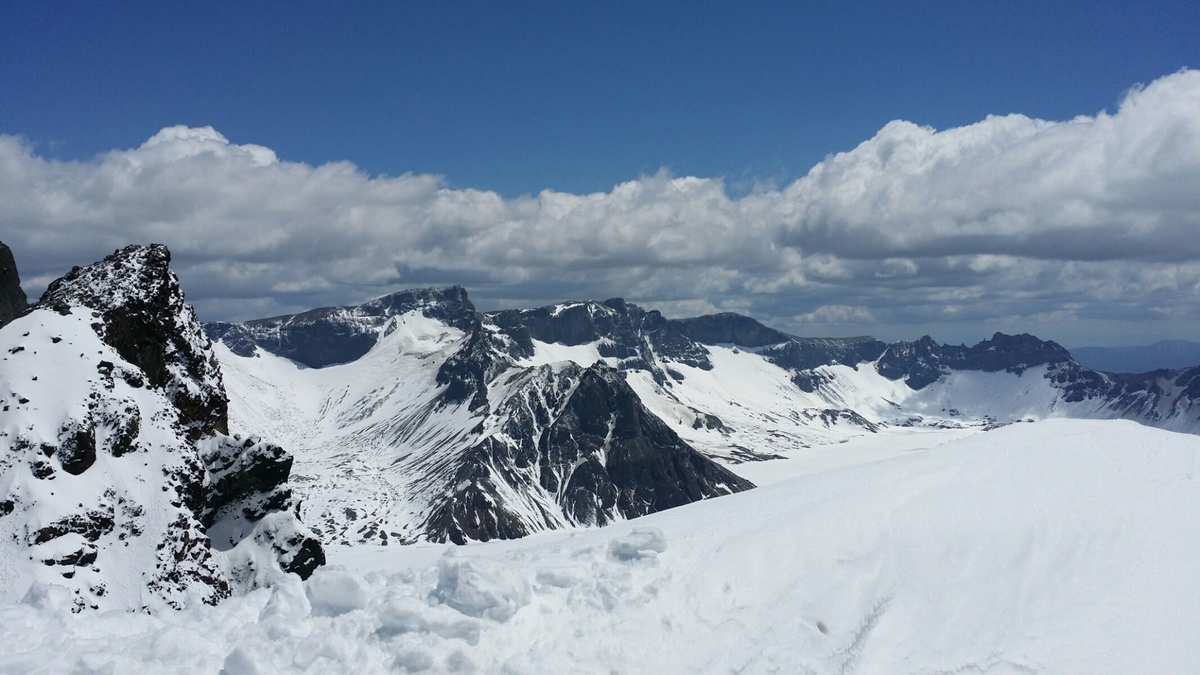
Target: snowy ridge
114	466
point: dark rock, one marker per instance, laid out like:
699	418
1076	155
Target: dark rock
240	470
466	373
12	299
77	449
145	318
81	558
585	450
90	524
807	353
134	304
308	556
232	335
330	335
921	363
624	457
730	328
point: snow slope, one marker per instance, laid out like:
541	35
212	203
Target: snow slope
362	432
1062	546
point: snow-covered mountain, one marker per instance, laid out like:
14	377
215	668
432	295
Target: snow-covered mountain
119	484
454	425
415	417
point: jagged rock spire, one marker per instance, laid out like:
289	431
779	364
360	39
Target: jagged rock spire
12	298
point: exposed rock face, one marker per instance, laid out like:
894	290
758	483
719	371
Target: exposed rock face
922	362
12	298
144	317
624	331
641	338
730	328
116	473
580	448
606	456
322	337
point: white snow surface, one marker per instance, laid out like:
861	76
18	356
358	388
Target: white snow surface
1060	546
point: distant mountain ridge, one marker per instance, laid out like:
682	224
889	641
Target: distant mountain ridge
414	416
1161	355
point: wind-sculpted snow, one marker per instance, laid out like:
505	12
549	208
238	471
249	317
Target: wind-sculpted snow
1061	546
115	473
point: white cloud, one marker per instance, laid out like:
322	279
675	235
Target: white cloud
1008	217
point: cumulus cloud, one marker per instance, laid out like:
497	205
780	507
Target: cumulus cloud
1006	220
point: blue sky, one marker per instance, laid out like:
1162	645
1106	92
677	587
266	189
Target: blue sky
572	96
832	169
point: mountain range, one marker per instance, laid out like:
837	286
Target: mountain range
149	460
416	417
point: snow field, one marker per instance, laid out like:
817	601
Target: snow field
1063	546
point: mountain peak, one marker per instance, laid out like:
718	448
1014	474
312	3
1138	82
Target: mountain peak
116	460
145	318
731	328
330	335
136	274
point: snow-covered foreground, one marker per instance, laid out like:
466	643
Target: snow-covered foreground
1061	546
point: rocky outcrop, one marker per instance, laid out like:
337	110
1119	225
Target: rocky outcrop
12	298
119	480
142	314
330	335
607	457
636	339
580	449
730	328
923	362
